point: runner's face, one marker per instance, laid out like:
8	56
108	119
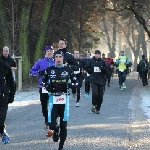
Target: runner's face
76	54
62	44
88	55
5	52
109	56
49	53
121	53
58	59
97	56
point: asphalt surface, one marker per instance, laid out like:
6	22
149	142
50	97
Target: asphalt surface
121	124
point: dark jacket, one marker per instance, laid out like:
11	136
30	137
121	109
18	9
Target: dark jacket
11	63
56	79
69	58
86	75
9	60
98	70
143	64
79	72
6	81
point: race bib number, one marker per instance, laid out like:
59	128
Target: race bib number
123	60
97	69
59	99
121	70
77	72
44	90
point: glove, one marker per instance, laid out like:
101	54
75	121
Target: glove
41	72
11	97
74	85
102	68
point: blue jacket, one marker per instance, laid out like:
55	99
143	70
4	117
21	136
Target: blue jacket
41	65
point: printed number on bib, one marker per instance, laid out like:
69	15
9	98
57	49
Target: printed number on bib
44	90
97	69
121	70
123	60
77	72
59	99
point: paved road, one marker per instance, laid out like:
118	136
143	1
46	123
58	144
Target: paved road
121	124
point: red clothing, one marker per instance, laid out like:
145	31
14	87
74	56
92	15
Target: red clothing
109	61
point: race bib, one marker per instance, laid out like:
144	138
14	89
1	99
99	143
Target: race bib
44	90
59	99
97	69
77	72
123	60
121	70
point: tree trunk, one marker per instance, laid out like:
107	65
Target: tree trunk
42	34
23	39
143	43
135	62
114	37
6	36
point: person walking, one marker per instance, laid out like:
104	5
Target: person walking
6	85
38	69
97	68
56	80
121	63
5	57
8	59
143	64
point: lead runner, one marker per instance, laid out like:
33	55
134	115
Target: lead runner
56	83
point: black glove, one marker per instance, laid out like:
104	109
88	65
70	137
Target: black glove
74	85
11	97
41	72
102	68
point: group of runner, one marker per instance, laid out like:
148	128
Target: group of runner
60	71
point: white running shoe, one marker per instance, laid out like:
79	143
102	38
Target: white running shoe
77	104
73	95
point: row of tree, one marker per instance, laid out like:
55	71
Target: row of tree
27	26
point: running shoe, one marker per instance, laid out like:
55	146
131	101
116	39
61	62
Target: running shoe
97	111
73	95
124	86
121	88
5	137
49	133
55	136
87	96
77	104
93	109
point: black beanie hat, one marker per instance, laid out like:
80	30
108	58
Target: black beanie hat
97	52
58	52
143	56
